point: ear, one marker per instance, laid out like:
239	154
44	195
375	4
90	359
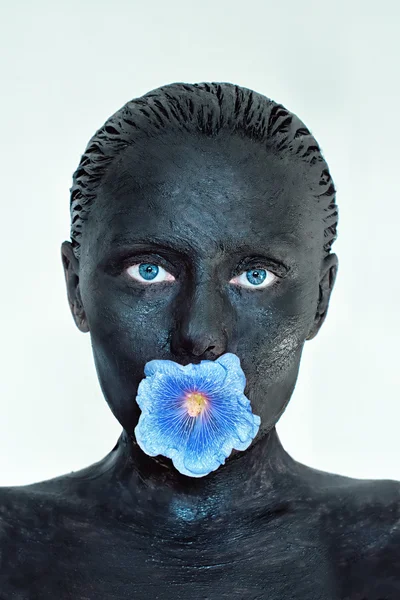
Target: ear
71	272
328	274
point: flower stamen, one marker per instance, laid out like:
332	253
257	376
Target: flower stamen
195	403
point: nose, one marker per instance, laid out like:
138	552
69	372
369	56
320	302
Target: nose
200	326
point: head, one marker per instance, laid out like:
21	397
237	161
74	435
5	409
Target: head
202	221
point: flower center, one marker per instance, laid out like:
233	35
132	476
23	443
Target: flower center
195	403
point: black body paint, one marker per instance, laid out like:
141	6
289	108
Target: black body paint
205	203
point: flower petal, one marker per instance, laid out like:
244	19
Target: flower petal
167	367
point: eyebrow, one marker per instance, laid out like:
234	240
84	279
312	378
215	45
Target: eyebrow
127	240
281	250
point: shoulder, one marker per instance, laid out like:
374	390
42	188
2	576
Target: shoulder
363	509
68	489
27	524
31	512
42	528
368	539
40	524
366	512
24	510
46	504
359	521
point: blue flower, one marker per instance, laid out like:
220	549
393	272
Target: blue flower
195	414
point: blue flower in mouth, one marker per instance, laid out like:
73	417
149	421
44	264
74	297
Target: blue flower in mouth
195	414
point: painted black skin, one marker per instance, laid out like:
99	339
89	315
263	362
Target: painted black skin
262	526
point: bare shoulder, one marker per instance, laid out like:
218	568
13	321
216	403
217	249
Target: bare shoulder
368	512
26	512
27	524
37	513
45	532
369	540
364	509
360	527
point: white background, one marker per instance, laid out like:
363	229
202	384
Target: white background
66	67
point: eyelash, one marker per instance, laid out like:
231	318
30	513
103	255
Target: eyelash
160	262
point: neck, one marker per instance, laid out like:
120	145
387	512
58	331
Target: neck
150	486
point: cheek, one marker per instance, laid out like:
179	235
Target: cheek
125	326
271	350
272	336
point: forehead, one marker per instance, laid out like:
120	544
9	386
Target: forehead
209	192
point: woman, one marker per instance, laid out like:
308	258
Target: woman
202	222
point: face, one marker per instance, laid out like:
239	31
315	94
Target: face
195	248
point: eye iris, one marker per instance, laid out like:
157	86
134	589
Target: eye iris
256	276
146	270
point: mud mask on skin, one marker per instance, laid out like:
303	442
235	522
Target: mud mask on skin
195	414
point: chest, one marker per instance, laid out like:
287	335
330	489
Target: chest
85	561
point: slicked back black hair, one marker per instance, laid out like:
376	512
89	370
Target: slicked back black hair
201	108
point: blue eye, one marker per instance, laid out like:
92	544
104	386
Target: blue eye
150	272
256	278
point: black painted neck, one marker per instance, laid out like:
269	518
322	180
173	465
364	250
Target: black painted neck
255	478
